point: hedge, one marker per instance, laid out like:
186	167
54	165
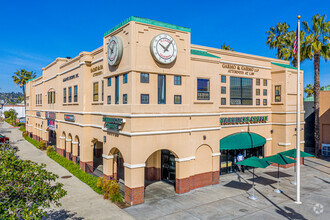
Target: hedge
32	141
76	171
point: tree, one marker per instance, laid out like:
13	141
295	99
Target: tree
226	47
20	77
316	46
275	38
288	47
12	115
309	89
26	188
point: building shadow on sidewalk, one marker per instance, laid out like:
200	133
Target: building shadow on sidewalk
238	185
263	181
61	214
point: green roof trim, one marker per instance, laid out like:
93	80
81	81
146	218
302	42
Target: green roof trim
147	21
242	140
33	79
327	88
284	65
202	53
309	99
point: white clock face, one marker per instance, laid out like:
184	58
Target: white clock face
163	48
115	51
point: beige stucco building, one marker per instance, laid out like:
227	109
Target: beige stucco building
140	117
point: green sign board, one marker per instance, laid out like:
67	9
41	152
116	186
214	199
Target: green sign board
244	120
113	123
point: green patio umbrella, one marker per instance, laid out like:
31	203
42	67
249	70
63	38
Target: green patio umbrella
293	153
254	162
279	159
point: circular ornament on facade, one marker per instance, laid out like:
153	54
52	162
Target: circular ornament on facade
163	49
115	51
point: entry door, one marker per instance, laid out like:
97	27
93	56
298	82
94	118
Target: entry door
168	167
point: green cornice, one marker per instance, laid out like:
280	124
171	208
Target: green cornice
33	79
284	65
147	21
202	53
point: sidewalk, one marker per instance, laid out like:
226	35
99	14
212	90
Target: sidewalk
81	202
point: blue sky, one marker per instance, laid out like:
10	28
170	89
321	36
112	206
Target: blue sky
34	33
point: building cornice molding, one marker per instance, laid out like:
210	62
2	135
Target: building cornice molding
107	156
133	166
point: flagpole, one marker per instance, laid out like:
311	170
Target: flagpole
298	117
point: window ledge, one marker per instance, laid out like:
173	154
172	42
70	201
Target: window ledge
277	103
70	104
97	103
203	102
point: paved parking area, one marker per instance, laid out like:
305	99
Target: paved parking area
81	202
229	199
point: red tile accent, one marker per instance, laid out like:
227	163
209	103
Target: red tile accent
67	155
134	196
60	151
87	166
74	159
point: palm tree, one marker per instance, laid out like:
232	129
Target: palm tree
316	46
276	36
226	47
20	77
12	115
288	47
309	89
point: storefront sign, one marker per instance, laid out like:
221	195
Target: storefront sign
113	123
71	77
239	69
38	114
97	68
69	118
244	120
50	115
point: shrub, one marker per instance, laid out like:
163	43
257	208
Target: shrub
24	134
32	141
111	189
42	145
27	188
50	149
76	171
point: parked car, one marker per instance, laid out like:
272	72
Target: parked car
4	139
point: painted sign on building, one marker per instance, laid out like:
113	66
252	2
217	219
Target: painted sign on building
69	118
50	115
243	120
51	125
38	114
113	123
71	77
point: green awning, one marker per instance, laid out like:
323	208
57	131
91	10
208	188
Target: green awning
254	162
293	153
242	140
279	159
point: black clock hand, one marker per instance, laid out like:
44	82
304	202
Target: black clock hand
162	46
166	49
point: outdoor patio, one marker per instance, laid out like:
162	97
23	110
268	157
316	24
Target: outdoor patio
229	199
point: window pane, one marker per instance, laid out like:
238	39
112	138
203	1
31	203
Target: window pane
265	101
109	81
223	90
235	87
96	91
161	89
258	102
247	88
109	99
125	78
240	91
64	95
223	101
125	99
177	99
223	79
258	82
75	93
102	90
265	92
116	89
70	94
177	80
265	82
257	91
277	93
144	98
203	89
144	78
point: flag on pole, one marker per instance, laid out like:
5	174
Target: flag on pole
295	46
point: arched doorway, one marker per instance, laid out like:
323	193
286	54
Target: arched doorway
97	169
76	150
69	147
63	140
